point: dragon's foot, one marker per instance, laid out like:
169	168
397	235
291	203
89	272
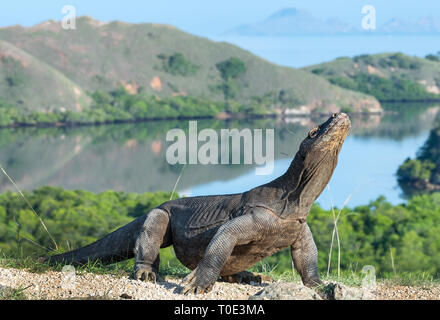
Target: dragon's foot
196	284
145	273
313	283
247	277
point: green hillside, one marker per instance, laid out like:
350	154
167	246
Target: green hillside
387	76
163	61
423	173
30	83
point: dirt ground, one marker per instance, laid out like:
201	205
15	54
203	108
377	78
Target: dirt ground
64	285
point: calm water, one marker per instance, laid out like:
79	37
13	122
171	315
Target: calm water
131	157
303	51
365	170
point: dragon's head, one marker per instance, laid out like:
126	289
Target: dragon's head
325	140
316	159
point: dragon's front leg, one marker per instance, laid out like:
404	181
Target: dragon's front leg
238	231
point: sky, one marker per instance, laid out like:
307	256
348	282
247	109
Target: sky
208	18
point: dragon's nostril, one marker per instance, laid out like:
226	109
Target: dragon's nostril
314	132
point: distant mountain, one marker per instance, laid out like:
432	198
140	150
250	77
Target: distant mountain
292	21
65	64
427	24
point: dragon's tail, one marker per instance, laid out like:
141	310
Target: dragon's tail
114	247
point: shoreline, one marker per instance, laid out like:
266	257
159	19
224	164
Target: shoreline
220	117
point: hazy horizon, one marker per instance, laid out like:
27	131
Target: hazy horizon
209	19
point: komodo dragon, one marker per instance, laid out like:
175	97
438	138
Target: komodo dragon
226	234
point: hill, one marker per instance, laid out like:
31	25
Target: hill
387	76
34	85
163	61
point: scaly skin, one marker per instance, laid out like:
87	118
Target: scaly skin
225	235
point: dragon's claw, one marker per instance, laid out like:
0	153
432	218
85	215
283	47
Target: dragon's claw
146	274
192	284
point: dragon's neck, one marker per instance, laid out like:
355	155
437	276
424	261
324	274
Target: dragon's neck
302	183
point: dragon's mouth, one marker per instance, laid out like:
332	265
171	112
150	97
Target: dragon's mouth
337	122
340	120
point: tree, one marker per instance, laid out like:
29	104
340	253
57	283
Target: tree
416	175
231	68
177	64
433	57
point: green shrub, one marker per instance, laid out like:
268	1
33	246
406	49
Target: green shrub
425	168
119	105
177	64
347	109
393	89
229	88
14	70
318	71
367	233
365	58
231	68
399	60
415	169
431	149
74	218
433	57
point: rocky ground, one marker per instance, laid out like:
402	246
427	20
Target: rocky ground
399	292
18	283
58	285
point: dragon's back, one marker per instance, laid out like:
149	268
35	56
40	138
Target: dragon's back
196	214
195	221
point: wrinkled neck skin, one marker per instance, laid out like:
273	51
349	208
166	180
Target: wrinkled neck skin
305	180
292	194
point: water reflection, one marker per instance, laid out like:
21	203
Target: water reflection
131	157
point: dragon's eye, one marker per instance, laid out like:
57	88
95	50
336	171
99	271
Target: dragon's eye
334	115
313	133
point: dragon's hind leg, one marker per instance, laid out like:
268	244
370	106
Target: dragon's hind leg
155	234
